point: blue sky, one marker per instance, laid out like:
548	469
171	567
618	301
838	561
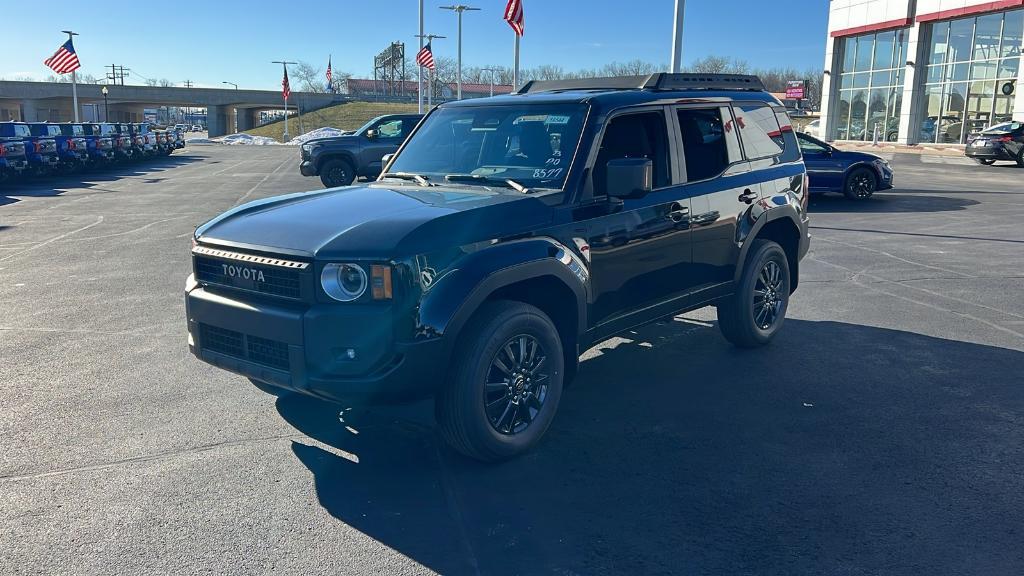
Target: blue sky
234	40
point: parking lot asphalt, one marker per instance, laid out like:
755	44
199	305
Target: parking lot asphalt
881	433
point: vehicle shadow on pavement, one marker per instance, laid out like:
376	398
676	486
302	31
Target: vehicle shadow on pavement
56	185
888	202
838	449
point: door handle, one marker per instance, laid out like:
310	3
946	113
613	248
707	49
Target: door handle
677	212
747	196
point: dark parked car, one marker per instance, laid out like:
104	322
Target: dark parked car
1000	142
477	267
341	159
12	153
857	175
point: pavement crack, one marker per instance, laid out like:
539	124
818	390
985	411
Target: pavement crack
98	221
151	457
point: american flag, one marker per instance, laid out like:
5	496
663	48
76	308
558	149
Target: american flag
64	60
514	16
330	85
286	89
425	58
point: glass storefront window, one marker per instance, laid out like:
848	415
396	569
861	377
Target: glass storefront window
870	85
970	60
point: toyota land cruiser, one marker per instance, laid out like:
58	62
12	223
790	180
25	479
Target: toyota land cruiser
506	236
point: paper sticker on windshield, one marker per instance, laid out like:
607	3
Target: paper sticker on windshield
556	119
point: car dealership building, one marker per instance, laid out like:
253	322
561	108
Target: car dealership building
921	71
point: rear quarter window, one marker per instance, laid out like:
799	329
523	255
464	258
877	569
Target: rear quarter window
766	132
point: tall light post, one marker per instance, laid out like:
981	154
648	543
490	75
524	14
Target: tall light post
231	83
459	9
677	37
492	71
285	63
106	109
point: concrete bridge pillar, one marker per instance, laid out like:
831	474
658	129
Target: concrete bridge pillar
246	119
30	111
217	120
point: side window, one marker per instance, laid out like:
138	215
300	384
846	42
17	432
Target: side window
808	146
390	129
640	135
407	126
709	141
762	135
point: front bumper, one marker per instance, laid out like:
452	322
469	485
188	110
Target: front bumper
307	168
886	177
302	347
13	164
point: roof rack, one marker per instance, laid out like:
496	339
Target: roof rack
657	81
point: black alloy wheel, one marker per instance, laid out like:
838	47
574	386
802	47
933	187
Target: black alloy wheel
861	183
335	173
985	161
517	385
1020	158
755	312
768	296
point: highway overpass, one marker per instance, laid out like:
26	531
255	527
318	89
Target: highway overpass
37	101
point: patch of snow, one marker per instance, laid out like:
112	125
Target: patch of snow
326	132
248	140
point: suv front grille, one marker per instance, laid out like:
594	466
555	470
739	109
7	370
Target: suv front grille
270	353
271	276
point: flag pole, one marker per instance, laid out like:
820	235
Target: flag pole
515	69
419	75
74	76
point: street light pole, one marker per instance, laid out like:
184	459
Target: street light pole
74	77
459	9
677	37
285	63
492	71
106	110
231	83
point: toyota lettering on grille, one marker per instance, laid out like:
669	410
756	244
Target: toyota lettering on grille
243	272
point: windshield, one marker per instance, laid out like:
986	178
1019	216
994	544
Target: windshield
1003	128
22	130
77	129
531	143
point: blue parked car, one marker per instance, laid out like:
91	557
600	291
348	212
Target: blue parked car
857	175
72	158
40	151
12	156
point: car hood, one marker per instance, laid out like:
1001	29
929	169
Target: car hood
374	221
344	138
854	156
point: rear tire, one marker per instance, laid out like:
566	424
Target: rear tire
335	173
754	313
1020	158
985	161
504	383
861	183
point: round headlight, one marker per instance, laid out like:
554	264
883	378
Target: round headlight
344	282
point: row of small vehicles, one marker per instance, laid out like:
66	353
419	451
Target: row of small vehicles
35	149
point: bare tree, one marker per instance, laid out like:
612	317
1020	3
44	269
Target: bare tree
66	79
309	78
719	65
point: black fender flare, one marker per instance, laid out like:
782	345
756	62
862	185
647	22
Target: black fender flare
449	304
786	211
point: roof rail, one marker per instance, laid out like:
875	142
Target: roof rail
657	81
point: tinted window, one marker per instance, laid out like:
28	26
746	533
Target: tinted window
760	130
390	129
709	144
641	135
809	146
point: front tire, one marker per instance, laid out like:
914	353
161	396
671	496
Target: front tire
335	173
985	161
504	384
1020	158
754	313
861	183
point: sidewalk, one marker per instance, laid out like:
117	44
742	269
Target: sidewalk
923	149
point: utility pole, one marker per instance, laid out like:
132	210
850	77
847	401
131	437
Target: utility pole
430	80
677	37
285	64
459	9
492	71
187	83
117	74
74	76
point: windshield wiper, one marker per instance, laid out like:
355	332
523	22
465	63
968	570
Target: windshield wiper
418	178
507	182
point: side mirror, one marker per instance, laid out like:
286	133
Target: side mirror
371	134
630	177
386	160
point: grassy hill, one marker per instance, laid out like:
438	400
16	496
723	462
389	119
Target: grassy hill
345	116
